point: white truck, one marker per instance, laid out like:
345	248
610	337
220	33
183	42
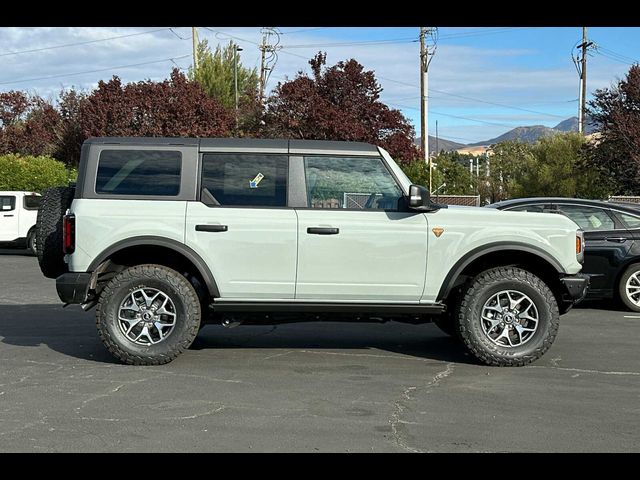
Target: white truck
18	213
166	234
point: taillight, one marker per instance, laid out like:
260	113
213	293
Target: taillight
69	233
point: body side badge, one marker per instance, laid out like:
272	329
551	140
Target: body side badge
437	231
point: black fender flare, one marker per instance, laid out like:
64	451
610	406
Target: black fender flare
178	247
482	250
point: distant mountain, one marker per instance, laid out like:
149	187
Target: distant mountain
532	133
446	145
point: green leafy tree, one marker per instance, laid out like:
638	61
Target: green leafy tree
450	169
34	174
215	75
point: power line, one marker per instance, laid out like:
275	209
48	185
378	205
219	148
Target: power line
87	42
304	30
95	71
474	99
361	43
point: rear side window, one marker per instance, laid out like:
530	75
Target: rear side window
7	203
246	179
139	172
588	218
32	202
631	221
537	208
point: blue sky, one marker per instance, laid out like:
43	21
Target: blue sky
527	70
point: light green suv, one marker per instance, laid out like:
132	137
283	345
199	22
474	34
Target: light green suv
167	234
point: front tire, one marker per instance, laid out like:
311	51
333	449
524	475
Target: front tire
629	287
507	317
31	243
148	315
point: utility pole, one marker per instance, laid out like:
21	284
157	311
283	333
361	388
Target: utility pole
194	37
581	66
267	62
437	149
236	49
425	59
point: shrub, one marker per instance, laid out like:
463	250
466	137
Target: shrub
28	173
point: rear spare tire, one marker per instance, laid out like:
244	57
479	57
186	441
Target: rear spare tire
55	203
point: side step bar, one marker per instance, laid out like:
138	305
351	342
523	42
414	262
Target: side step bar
319	307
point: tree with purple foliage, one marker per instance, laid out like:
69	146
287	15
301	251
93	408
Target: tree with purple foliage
341	102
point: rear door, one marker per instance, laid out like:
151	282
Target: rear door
242	226
8	218
607	243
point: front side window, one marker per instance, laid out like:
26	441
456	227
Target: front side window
251	180
350	182
7	203
588	218
139	172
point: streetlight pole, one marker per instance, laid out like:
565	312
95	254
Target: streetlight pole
235	78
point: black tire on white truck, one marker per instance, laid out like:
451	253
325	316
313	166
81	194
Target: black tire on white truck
48	237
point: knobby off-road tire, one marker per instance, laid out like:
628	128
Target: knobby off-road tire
116	301
55	203
480	298
630	279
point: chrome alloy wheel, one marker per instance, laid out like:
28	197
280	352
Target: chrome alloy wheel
509	318
147	316
632	288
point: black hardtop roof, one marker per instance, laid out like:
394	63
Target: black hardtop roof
292	146
581	201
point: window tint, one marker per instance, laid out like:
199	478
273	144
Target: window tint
350	182
528	208
139	172
588	218
631	221
32	202
246	179
7	203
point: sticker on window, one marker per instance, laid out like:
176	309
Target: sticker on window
256	181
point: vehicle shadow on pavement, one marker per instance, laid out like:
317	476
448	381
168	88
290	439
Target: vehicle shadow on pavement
72	332
69	331
423	341
16	251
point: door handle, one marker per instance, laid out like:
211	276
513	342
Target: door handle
8	215
323	230
212	228
615	239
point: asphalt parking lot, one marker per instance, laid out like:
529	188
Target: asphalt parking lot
307	387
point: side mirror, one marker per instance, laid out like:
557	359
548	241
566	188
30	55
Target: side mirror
419	197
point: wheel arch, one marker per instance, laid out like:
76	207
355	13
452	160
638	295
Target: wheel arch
151	249
529	257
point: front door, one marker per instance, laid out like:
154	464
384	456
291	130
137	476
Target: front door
354	242
8	218
242	226
607	243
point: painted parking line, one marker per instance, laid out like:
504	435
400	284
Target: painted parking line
632	316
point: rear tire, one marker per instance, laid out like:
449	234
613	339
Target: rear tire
151	297
507	317
627	291
54	205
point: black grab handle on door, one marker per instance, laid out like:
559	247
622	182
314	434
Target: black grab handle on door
323	230
211	228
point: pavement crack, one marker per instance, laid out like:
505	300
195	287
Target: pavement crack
584	370
396	421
